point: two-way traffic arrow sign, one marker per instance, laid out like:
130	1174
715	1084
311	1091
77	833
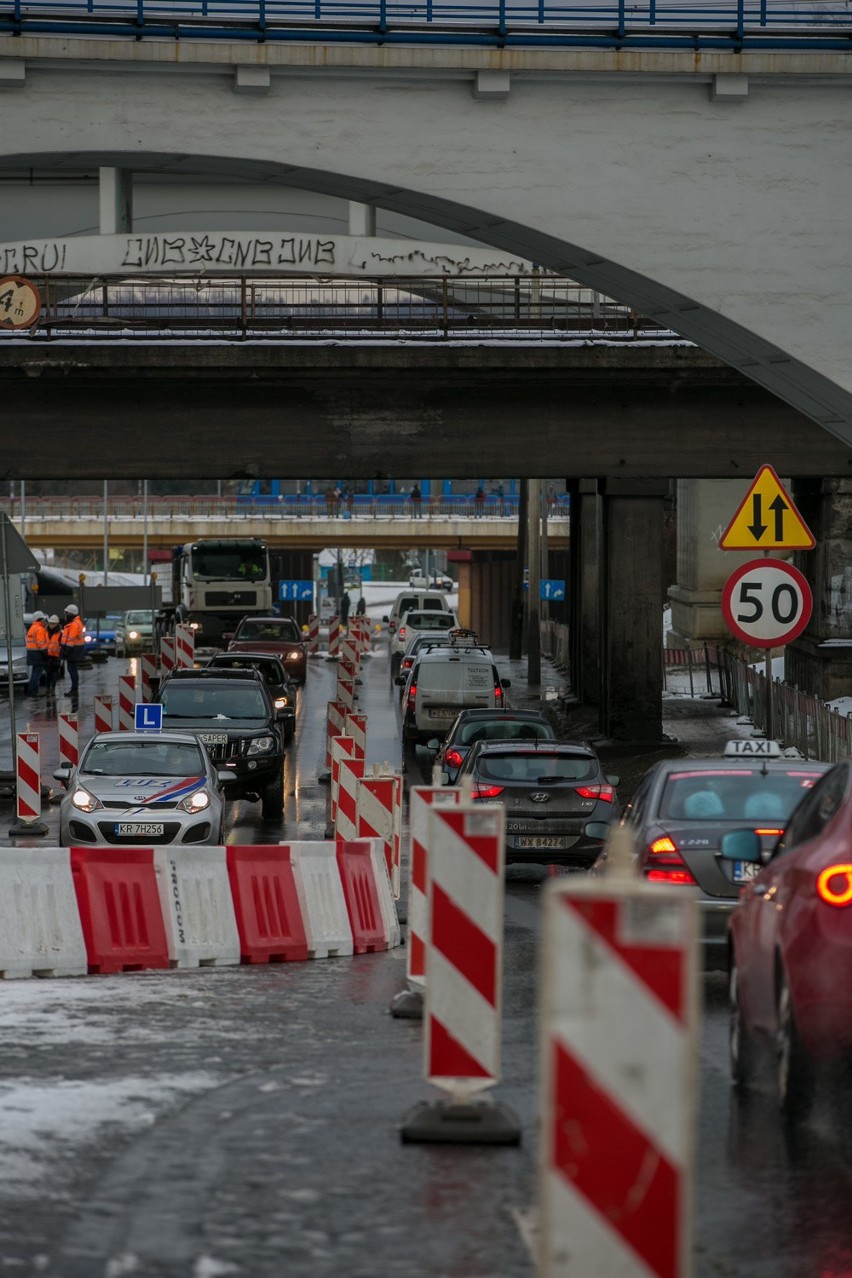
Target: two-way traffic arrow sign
767	519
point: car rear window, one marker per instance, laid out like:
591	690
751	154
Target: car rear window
744	794
505	730
537	767
430	621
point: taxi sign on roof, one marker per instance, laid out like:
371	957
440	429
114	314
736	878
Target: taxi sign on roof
750	747
767	519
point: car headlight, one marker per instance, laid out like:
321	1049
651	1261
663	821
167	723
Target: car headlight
195	802
293	656
84	800
261	745
88	639
133	634
195	625
281	703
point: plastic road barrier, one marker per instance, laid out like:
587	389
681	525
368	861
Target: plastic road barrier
69	739
266	904
341	748
349	777
148	672
619	1027
333	638
335	719
120	909
126	703
321	900
355	726
387	905
28	777
195	895
313	634
379	816
40	930
168	654
421	799
103	714
184	647
361	890
345	692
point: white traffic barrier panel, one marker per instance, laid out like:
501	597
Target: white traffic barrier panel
103	714
345	692
355	726
350	657
619	1032
168	656
347	669
380	817
184	647
198	908
126	703
349	775
28	785
40	929
69	739
333	638
321	899
421	799
387	904
463	990
313	634
341	748
334	721
148	672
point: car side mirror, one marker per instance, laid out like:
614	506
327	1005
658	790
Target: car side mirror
401	680
385	618
283	713
227	636
63	773
507	683
597	830
434	744
224	778
445	778
742	845
612	780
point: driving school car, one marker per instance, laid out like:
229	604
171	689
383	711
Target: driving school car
139	788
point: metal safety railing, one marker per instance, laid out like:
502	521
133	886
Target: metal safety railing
620	24
514	307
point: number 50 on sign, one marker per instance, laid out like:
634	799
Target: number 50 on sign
767	603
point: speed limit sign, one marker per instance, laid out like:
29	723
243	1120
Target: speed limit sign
767	603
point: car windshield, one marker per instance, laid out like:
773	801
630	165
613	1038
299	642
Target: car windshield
741	794
537	767
143	758
243	701
283	631
138	618
504	729
230	561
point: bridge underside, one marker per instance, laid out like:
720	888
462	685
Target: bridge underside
231	411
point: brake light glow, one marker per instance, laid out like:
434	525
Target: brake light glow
666	865
488	791
453	758
674	876
402	632
834	885
498	692
603	792
664	846
777	831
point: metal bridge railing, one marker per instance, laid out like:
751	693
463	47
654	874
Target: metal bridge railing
222	509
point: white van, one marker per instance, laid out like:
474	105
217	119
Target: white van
444	681
422	600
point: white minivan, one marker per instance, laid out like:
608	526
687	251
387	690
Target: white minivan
444	681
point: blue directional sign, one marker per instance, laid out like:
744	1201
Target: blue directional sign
302	591
149	718
552	590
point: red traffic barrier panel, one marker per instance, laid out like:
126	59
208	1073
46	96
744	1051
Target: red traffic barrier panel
120	910
358	875
266	904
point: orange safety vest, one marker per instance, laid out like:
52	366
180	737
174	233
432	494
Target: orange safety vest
72	633
37	637
54	642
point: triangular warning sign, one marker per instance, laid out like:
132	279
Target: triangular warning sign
767	519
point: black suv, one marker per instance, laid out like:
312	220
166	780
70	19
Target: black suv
233	714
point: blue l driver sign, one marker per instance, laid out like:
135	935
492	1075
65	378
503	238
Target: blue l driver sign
149	718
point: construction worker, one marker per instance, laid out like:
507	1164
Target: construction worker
36	652
72	647
53	664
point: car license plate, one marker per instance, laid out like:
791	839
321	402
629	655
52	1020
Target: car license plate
214	738
745	871
542	841
139	829
438	712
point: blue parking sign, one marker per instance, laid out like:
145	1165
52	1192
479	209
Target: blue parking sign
149	718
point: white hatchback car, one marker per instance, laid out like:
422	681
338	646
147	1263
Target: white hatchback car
141	787
416	622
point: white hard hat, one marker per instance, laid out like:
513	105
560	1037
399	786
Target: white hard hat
73	609
39	616
53	620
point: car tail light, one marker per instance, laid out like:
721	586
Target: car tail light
498	692
834	885
777	831
453	758
605	793
412	693
488	791
402	632
666	865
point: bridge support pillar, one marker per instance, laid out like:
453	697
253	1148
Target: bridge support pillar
587	590
633	594
115	201
705	507
820	660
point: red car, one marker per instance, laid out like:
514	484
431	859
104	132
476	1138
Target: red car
280	635
791	944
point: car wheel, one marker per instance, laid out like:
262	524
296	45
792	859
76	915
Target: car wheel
740	1042
272	799
795	1070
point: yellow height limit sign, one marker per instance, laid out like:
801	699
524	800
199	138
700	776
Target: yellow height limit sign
767	519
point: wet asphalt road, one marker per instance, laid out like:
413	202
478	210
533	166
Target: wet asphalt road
245	1121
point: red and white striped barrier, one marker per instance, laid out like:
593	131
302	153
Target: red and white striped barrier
346	692
341	748
313	634
40	929
335	717
184	647
69	739
321	899
618	1056
348	782
168	656
421	800
148	672
103	714
333	638
355	726
126	703
350	657
379	816
347	668
28	777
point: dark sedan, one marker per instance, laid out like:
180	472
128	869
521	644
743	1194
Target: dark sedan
278	683
278	635
487	725
550	791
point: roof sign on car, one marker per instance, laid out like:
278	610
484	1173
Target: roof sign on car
747	747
